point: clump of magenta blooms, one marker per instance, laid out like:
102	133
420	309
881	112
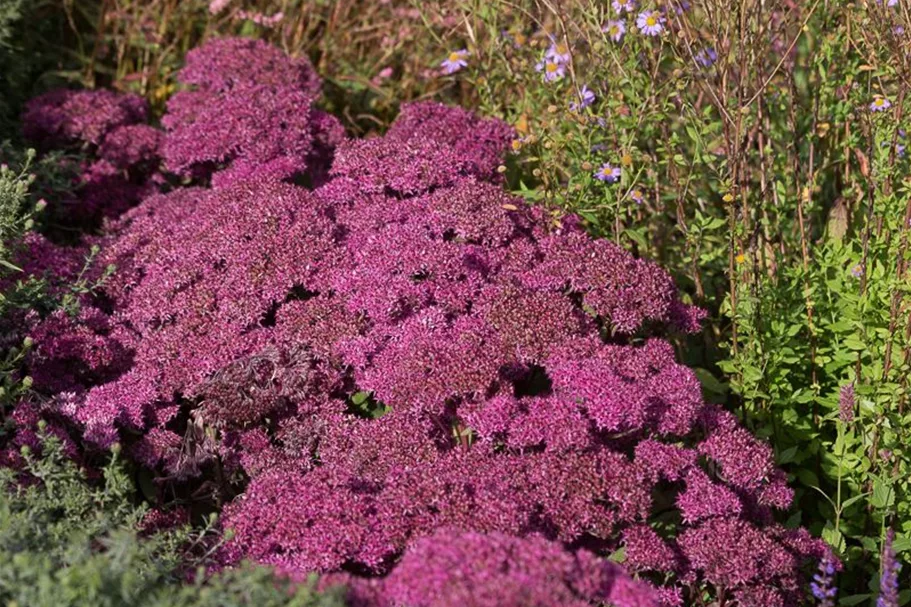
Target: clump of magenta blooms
416	384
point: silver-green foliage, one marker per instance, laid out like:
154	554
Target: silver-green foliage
67	541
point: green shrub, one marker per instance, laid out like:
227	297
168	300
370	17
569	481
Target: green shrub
69	541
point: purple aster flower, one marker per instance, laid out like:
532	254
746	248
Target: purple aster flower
880	104
558	52
608	173
622	6
586	98
822	585
706	57
857	271
615	30
552	70
650	23
899	147
637	196
888	580
455	61
846	403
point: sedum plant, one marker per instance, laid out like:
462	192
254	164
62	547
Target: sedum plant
403	351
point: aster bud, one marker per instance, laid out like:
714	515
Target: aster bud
27	382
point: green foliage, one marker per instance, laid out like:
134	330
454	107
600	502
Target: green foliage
36	51
68	541
16	218
10	12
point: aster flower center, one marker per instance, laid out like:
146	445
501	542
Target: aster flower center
561	49
550	67
454	56
651	21
879	102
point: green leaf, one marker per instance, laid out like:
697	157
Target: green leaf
787	456
834	537
12	267
710	382
848	502
808	478
854	599
883	495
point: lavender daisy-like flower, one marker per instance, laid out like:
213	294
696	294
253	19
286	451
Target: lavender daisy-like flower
558	52
551	70
650	23
846	403
624	6
586	98
608	173
455	61
857	271
615	30
888	580
706	57
880	104
637	196
822	586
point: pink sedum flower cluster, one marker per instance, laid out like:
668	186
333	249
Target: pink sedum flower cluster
420	378
247	112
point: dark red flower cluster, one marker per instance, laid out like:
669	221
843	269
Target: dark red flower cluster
420	376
